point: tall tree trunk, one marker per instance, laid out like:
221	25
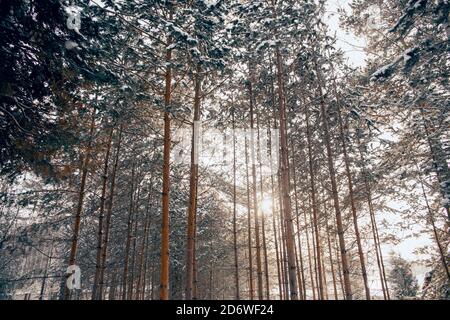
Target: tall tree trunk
300	271
263	220
193	181
352	198
79	210
330	252
164	279
143	251
308	246
285	182
324	274
95	291
277	253
378	252
301	266
274	226
259	272
337	208
249	223
236	263
314	201
195	276
435	233
282	236
112	288
109	206
128	238
152	290
266	261
148	254
134	238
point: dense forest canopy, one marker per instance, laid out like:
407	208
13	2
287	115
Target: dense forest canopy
224	149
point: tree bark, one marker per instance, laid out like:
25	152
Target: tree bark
259	273
109	206
249	224
285	182
193	181
164	279
79	210
378	253
352	197
337	208
314	202
263	220
236	262
95	291
128	238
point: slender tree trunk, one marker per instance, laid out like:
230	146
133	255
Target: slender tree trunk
282	236
352	198
143	251
378	252
274	226
302	268
236	262
259	272
134	238
152	290
330	252
300	272
315	274
338	253
44	278
311	272
79	210
192	189
337	208
280	231
263	220
112	288
285	182
324	274
148	255
249	224
164	279
128	238
95	291
299	276
277	253
195	276
313	245
436	236
109	205
266	261
314	201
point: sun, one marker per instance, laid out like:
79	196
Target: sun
266	205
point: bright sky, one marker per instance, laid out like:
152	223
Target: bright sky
349	43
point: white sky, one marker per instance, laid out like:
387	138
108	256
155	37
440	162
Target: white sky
349	43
